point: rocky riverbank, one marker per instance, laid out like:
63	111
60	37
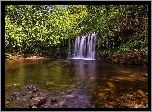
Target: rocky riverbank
31	97
132	57
9	57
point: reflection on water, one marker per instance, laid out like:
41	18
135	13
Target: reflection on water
75	83
85	68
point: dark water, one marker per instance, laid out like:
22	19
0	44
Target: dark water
76	83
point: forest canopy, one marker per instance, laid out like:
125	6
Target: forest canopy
48	29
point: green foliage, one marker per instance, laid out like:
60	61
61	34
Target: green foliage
36	28
145	51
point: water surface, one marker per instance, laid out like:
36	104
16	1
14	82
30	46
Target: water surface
76	83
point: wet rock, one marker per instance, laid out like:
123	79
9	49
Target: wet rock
68	91
55	105
24	99
15	94
110	84
141	93
112	92
107	89
110	98
77	83
114	55
115	61
24	94
62	93
61	103
16	84
7	102
134	93
34	106
146	75
31	97
30	87
111	103
144	101
53	100
10	99
129	95
75	96
73	85
49	83
35	90
37	101
69	96
101	94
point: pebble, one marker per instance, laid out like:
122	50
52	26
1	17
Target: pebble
69	96
111	103
92	78
35	90
68	91
34	107
11	99
107	89
24	94
134	93
61	102
15	94
101	94
55	105
7	102
144	100
16	84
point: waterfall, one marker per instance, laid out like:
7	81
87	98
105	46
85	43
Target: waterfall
84	47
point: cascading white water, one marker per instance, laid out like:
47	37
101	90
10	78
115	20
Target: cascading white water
85	47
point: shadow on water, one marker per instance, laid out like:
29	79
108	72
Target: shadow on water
76	83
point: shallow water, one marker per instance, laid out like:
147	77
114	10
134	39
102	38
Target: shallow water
76	83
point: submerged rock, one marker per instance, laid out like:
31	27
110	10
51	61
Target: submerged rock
16	95
61	102
101	94
37	101
7	102
30	87
69	96
141	93
53	100
35	90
